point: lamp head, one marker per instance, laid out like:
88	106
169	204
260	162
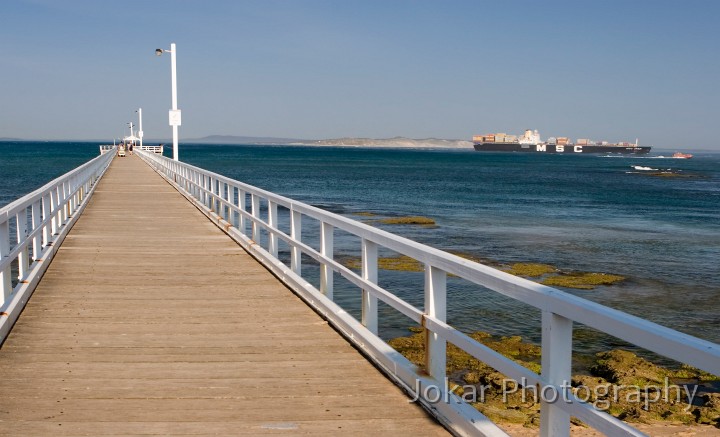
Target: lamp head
159	52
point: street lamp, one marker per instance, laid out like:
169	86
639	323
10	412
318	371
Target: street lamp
174	115
140	132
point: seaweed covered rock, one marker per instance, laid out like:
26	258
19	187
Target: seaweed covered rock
411	220
582	280
532	270
623	367
709	413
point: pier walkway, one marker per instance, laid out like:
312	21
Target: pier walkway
150	320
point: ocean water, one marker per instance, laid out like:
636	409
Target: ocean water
586	213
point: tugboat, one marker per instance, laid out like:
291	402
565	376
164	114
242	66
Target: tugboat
678	155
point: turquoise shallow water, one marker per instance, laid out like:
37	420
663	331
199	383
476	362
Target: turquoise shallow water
585	213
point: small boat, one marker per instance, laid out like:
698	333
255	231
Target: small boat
679	155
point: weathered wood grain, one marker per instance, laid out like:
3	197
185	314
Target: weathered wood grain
151	321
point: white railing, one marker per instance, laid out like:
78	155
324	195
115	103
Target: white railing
225	201
151	149
31	230
105	148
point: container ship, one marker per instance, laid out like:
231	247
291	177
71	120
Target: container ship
530	142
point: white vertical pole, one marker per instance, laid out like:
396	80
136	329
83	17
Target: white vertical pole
435	306
273	222
556	362
326	249
173	67
140	132
296	235
370	273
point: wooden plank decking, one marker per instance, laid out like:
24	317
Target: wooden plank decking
150	320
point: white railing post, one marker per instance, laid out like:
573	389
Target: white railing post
296	235
195	179
229	199
46	208
255	200
326	250
222	192
81	190
53	211
36	219
242	206
232	189
75	197
201	188
212	194
370	273
198	185
63	194
273	222
436	307
191	183
203	197
218	195
70	197
5	282
75	190
206	187
556	362
21	232
215	188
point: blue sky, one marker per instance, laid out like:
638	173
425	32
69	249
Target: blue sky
612	70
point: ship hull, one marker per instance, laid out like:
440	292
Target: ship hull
552	148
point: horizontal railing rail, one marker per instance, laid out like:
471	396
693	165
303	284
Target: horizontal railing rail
226	201
32	228
154	149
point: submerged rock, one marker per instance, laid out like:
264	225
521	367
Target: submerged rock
531	269
412	220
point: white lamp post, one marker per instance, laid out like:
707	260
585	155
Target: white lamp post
174	115
140	132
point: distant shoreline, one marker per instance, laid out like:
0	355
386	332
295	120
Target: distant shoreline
360	143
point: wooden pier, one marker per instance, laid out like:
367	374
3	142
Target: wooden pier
152	321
